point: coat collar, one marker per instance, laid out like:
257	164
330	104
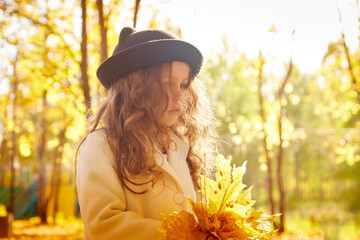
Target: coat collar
176	154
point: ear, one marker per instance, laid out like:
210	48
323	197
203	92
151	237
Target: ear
125	32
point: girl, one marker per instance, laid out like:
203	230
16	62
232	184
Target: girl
144	150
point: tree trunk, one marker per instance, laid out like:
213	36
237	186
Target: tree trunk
350	67
83	64
103	31
13	147
268	159
54	186
3	157
279	175
136	10
354	79
282	201
41	204
297	170
56	175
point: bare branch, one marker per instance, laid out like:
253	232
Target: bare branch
354	80
136	9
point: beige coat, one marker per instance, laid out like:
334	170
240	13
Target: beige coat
110	211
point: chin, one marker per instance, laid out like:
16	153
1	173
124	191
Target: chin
171	122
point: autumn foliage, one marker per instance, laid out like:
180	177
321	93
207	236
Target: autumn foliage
225	213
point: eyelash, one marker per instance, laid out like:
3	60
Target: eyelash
184	86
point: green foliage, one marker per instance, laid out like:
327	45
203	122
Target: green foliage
350	189
320	125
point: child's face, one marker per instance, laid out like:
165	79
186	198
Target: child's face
175	85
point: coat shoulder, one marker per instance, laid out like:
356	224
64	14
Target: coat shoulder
97	136
96	148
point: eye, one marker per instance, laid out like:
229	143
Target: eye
184	85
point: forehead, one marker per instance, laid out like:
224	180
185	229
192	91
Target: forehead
179	71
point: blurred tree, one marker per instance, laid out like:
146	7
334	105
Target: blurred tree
56	169
340	91
10	110
280	119
355	82
263	120
49	59
232	83
13	148
47	70
252	125
136	10
103	31
41	200
83	64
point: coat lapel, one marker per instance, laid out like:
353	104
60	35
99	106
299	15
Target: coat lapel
177	153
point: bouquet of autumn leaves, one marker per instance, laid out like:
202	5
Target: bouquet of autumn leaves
226	213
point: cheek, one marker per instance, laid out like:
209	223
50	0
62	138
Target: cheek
163	103
160	105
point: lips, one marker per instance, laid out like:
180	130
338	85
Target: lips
177	109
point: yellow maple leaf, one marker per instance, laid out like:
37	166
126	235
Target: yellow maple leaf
181	226
226	213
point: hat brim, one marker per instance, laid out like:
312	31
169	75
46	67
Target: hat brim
147	54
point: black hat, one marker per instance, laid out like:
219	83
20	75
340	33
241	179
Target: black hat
144	48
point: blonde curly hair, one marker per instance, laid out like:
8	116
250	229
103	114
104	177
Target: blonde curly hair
127	116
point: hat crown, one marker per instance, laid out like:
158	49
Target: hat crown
136	50
130	38
125	32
